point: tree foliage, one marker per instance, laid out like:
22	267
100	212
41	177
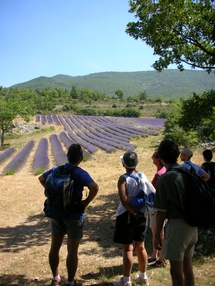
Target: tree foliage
13	104
180	31
192	121
198	114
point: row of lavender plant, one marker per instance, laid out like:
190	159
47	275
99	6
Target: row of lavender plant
67	141
86	145
37	118
129	130
57	150
41	160
101	133
49	119
98	131
156	123
99	139
92	139
43	119
6	154
153	123
18	161
55	119
117	139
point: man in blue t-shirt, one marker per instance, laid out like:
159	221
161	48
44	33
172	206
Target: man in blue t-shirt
73	224
186	155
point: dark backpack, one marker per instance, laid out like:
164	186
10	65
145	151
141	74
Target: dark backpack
209	167
59	190
199	201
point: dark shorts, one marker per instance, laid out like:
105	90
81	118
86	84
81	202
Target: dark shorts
73	228
126	231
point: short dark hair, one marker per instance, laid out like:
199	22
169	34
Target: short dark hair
168	151
130	159
207	154
75	153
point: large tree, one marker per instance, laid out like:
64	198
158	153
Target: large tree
11	106
179	31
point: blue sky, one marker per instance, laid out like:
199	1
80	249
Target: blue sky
71	37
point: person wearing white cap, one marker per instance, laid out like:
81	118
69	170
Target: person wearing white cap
130	226
185	156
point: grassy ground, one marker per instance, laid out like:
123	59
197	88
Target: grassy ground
25	232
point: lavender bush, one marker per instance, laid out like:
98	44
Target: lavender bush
155	123
43	119
18	161
49	119
37	118
41	160
6	154
67	141
57	150
71	132
55	119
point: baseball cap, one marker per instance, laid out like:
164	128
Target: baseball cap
129	159
187	152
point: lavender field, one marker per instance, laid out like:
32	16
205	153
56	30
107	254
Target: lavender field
92	132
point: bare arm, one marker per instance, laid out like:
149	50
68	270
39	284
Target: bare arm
42	180
160	217
205	177
93	190
123	196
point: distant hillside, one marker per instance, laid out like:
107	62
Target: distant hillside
169	83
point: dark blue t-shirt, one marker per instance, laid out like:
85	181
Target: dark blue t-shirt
82	179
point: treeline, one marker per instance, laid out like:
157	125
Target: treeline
78	101
191	121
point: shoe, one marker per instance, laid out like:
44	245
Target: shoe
56	282
152	259
159	263
142	281
121	283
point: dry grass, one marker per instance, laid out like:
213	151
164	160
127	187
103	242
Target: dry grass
25	232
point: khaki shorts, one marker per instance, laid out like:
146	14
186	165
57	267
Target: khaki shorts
179	240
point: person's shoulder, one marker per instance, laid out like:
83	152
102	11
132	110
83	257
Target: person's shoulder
161	171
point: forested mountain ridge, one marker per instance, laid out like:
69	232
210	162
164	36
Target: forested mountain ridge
169	84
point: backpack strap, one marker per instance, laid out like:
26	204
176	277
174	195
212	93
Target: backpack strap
192	170
181	170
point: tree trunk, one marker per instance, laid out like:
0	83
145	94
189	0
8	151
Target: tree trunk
2	138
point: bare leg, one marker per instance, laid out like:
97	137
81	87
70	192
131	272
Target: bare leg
155	251
141	255
162	241
127	250
72	258
188	272
54	254
176	271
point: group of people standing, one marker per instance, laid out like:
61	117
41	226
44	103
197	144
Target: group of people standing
179	241
180	238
